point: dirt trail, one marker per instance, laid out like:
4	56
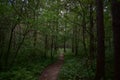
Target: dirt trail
52	71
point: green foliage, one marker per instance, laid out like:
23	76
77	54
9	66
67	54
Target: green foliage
109	69
27	72
75	69
59	20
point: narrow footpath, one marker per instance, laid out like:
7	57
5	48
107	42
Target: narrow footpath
52	71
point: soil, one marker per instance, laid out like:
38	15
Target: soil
52	71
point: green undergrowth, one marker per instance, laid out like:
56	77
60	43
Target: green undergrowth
29	71
81	68
75	68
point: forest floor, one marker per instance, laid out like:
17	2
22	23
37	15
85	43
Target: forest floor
52	71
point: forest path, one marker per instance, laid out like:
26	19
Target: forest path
52	71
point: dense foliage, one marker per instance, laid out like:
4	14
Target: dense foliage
34	32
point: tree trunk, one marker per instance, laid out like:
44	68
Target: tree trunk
46	45
9	44
2	39
52	42
17	50
116	36
73	40
76	41
83	33
100	72
91	33
64	45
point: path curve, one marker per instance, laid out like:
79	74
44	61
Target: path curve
52	71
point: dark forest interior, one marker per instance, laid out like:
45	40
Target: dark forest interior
59	39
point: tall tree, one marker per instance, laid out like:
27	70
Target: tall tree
91	32
46	45
116	35
100	72
84	33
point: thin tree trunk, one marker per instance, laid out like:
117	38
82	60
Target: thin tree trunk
1	49
35	31
9	44
91	33
52	42
76	42
46	44
73	32
18	48
83	33
64	45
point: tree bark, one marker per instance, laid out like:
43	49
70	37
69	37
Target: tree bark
9	44
64	45
76	41
52	42
91	33
73	40
100	72
116	36
46	45
83	33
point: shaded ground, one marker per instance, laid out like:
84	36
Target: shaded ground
52	71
